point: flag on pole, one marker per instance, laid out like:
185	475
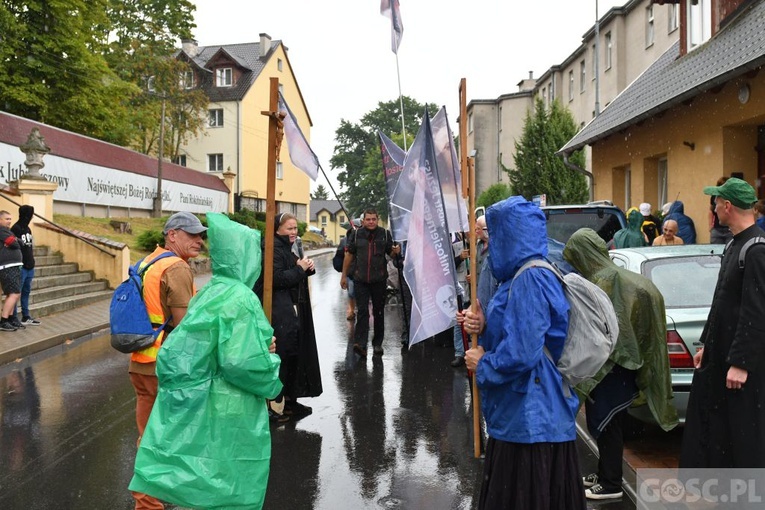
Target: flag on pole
390	9
449	174
429	263
301	154
393	163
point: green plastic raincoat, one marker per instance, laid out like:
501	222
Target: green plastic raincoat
632	235
207	443
642	341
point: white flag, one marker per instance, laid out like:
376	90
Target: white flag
301	154
391	9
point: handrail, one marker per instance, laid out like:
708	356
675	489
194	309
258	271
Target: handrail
112	255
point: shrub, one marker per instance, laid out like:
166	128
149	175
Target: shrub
149	240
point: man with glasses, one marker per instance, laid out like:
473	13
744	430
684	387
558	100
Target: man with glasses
168	286
367	247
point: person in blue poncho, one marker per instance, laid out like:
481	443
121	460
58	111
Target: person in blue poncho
531	457
686	229
207	443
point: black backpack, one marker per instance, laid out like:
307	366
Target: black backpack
337	260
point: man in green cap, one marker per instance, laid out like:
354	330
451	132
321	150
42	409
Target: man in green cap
725	421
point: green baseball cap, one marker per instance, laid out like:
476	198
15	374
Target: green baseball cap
737	192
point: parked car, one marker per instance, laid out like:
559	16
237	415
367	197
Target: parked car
686	276
603	217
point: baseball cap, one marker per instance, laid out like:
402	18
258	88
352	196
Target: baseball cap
645	209
184	221
738	192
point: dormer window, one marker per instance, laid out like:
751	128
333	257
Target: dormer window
150	84
187	80
224	77
699	22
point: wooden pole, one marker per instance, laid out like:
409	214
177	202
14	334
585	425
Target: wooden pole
274	145
468	193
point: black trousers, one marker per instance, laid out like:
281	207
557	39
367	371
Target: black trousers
365	291
611	449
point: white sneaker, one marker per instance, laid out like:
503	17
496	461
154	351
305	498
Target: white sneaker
590	480
29	321
597	491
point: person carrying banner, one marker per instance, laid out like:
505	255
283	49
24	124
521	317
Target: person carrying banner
531	458
366	253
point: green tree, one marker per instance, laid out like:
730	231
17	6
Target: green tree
357	157
495	193
537	169
320	193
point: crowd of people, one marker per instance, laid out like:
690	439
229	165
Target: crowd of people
227	355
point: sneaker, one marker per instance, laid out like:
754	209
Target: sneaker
597	491
458	362
296	409
16	323
7	326
29	321
590	479
378	350
277	418
359	350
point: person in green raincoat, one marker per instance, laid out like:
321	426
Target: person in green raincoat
637	371
207	443
632	235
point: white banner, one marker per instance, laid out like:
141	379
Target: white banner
92	184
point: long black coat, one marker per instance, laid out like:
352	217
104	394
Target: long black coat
726	428
292	319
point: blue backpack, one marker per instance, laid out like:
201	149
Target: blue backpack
131	327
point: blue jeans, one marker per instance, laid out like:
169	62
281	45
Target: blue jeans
26	288
459	347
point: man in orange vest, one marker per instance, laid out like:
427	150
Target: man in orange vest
168	286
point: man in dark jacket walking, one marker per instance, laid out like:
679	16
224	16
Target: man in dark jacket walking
23	233
367	248
725	422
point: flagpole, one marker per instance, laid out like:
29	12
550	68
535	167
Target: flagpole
401	102
275	125
468	190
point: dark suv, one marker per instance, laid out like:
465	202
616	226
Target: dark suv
603	217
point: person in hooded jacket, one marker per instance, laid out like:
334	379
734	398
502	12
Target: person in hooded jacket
531	458
686	230
208	443
292	319
24	234
632	235
637	372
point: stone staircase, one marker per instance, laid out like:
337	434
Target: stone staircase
59	286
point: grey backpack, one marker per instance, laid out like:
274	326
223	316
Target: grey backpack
592	326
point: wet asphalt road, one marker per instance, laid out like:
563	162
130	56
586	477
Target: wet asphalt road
388	432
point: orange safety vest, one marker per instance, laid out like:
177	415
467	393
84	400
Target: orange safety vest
152	279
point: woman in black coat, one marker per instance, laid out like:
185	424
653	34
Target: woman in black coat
292	320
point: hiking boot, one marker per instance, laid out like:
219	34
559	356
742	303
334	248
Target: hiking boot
30	321
5	325
590	480
597	491
296	409
378	350
14	321
359	350
458	362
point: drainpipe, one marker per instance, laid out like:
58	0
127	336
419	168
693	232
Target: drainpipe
587	174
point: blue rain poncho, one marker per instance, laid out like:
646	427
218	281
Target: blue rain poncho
207	443
522	392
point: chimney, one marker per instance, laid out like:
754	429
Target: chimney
190	47
265	44
531	75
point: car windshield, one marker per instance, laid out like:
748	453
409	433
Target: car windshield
564	222
685	282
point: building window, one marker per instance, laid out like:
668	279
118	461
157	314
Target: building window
594	62
224	77
180	160
674	17
279	170
187	80
699	22
470	122
293	209
649	19
550	95
341	219
582	75
544	96
323	220
216	117
215	162
150	84
571	85
279	64
609	48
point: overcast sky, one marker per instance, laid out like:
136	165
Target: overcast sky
340	49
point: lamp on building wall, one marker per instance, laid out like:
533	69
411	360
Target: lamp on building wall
690	145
